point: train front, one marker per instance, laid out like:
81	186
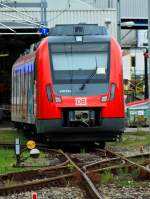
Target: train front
82	87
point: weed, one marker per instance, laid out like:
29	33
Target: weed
83	151
107	177
132	140
124	178
123	172
70	166
123	182
9	182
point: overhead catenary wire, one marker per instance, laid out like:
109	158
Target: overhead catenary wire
14	2
35	23
61	12
29	22
14	9
23	14
7	27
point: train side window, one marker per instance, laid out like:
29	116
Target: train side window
14	84
13	87
49	94
34	68
29	78
20	98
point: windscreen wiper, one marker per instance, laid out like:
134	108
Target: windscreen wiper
90	77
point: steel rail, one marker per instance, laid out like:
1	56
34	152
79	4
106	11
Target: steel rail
86	178
99	162
114	159
24	186
108	168
129	161
111	168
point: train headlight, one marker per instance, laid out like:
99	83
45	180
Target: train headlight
104	98
58	99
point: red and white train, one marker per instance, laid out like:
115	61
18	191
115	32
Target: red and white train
71	87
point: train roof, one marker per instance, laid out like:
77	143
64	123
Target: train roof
69	32
78	29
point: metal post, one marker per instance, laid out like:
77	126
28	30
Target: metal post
119	21
17	151
43	12
109	6
110	3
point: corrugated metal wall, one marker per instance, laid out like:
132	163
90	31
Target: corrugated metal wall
134	8
83	16
103	4
66	17
129	8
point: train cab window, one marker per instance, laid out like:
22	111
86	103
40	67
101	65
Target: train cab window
76	62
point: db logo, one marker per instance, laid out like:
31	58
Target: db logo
80	101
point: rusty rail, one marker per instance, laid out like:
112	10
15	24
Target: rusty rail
92	187
121	156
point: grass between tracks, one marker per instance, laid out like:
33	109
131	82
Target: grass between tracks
9	136
133	140
129	142
8	161
7	156
122	178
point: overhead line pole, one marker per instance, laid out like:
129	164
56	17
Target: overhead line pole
119	22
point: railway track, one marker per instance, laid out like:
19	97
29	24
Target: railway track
50	175
69	168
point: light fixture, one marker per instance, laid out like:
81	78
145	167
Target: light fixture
4	55
129	24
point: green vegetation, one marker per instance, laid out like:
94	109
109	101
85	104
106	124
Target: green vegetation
121	179
7	156
133	140
128	142
83	151
9	136
8	161
70	166
107	177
